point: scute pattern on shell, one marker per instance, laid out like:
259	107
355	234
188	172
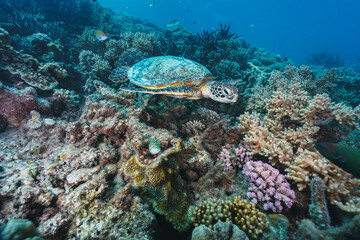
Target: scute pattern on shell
165	71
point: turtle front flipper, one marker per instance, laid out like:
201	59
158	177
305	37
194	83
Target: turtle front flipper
119	74
176	92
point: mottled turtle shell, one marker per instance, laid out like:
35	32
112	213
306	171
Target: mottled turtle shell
168	71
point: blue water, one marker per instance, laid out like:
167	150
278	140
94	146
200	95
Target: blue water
291	28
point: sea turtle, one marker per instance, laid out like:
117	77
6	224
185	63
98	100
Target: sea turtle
175	77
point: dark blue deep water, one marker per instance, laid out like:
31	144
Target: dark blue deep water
296	29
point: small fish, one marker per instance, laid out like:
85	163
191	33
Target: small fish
154	147
63	157
252	26
100	35
344	157
173	24
28	163
152	3
324	121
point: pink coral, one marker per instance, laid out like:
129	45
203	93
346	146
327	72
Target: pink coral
268	185
234	157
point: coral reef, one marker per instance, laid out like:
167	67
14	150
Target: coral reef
319	226
16	104
74	151
42	76
328	60
286	133
242	213
318	208
267	185
307	230
234	157
222	230
162	185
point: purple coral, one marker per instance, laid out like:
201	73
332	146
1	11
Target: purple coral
234	157
268	185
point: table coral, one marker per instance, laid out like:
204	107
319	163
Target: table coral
43	76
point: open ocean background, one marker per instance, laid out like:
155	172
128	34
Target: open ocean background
295	29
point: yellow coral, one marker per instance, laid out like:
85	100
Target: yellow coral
240	212
161	184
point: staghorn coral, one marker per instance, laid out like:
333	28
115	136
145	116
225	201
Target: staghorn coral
88	42
301	76
267	185
161	184
242	213
145	42
194	127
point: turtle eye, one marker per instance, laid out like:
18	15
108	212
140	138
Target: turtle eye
227	91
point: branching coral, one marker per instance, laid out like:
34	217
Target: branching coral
287	132
268	185
94	63
234	157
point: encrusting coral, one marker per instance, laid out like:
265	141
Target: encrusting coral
242	213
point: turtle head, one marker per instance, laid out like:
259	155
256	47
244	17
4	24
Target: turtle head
220	92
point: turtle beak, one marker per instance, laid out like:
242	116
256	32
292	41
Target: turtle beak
236	96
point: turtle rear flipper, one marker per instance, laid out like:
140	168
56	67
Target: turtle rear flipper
119	74
177	92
